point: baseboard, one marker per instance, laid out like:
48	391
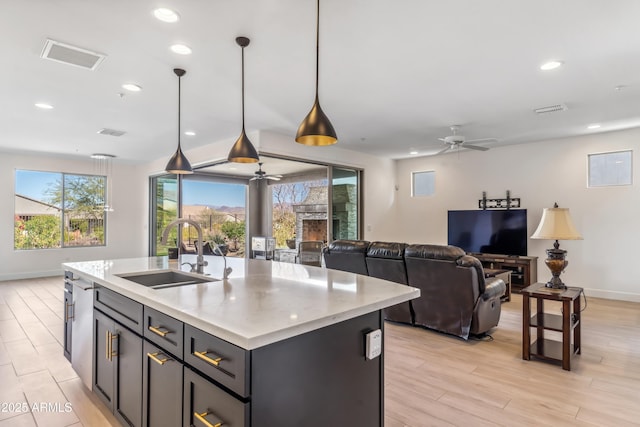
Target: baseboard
615	295
31	275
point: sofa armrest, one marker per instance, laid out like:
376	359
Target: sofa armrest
494	287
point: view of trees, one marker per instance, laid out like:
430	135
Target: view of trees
39	232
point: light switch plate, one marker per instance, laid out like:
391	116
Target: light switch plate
373	344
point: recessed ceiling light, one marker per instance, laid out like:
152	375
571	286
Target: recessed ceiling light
132	87
594	126
166	15
413	153
190	133
551	65
181	49
43	106
233	168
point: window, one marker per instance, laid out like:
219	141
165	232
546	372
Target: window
610	169
423	183
54	210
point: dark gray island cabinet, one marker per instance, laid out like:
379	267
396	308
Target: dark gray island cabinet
153	370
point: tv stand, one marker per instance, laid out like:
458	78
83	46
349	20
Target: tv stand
524	269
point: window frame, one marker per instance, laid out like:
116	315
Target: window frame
63	215
413	183
590	156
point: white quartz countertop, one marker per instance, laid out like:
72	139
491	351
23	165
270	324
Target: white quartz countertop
261	302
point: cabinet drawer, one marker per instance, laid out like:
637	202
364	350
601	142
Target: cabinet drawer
203	400
164	331
118	307
218	359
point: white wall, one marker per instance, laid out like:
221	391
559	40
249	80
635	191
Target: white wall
126	226
541	173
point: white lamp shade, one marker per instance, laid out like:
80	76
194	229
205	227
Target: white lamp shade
556	224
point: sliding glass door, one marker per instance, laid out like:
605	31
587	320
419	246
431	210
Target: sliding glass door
217	205
345	203
164	209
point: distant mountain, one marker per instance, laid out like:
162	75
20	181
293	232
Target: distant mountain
223	208
229	209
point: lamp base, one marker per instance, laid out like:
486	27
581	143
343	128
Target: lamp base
556	263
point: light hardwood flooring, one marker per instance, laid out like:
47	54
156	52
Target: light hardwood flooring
431	379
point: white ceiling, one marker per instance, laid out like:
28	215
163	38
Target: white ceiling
394	74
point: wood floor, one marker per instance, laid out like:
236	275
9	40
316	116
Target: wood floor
430	379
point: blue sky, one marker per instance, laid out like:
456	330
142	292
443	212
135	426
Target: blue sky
212	193
35	184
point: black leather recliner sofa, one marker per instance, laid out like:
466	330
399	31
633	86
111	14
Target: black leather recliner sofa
454	297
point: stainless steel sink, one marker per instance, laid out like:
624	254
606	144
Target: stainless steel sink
165	278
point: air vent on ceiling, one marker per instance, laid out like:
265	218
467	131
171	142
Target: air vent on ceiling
550	109
112	132
71	55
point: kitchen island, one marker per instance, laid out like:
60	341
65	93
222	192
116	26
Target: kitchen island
276	344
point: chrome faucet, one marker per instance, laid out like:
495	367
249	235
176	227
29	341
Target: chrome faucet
200	263
227	270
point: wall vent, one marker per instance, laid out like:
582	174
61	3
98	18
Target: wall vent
551	109
111	132
71	55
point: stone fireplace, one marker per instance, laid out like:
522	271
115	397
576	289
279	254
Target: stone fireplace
311	216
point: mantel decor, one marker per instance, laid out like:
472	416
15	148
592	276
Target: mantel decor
507	203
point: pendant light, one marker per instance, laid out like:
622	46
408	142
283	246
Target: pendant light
179	164
316	129
243	150
103	166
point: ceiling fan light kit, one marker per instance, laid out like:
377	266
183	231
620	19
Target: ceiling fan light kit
179	164
243	150
456	141
316	128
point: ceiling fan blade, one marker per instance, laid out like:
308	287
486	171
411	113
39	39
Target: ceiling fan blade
254	178
273	178
481	140
441	139
444	150
475	147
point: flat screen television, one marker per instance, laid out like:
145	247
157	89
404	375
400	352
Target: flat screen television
502	232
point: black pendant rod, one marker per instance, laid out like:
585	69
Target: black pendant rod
317	46
179	72
242	46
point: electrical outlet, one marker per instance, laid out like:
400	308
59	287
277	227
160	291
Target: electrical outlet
373	344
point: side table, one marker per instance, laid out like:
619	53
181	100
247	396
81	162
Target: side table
569	320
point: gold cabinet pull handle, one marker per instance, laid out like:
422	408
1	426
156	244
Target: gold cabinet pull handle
154	357
110	352
203	355
158	331
106	347
203	420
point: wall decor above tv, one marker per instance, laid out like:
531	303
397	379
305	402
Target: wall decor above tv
502	232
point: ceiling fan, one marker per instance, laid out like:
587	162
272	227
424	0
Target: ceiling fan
456	141
260	175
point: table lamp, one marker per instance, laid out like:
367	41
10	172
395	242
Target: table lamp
556	224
